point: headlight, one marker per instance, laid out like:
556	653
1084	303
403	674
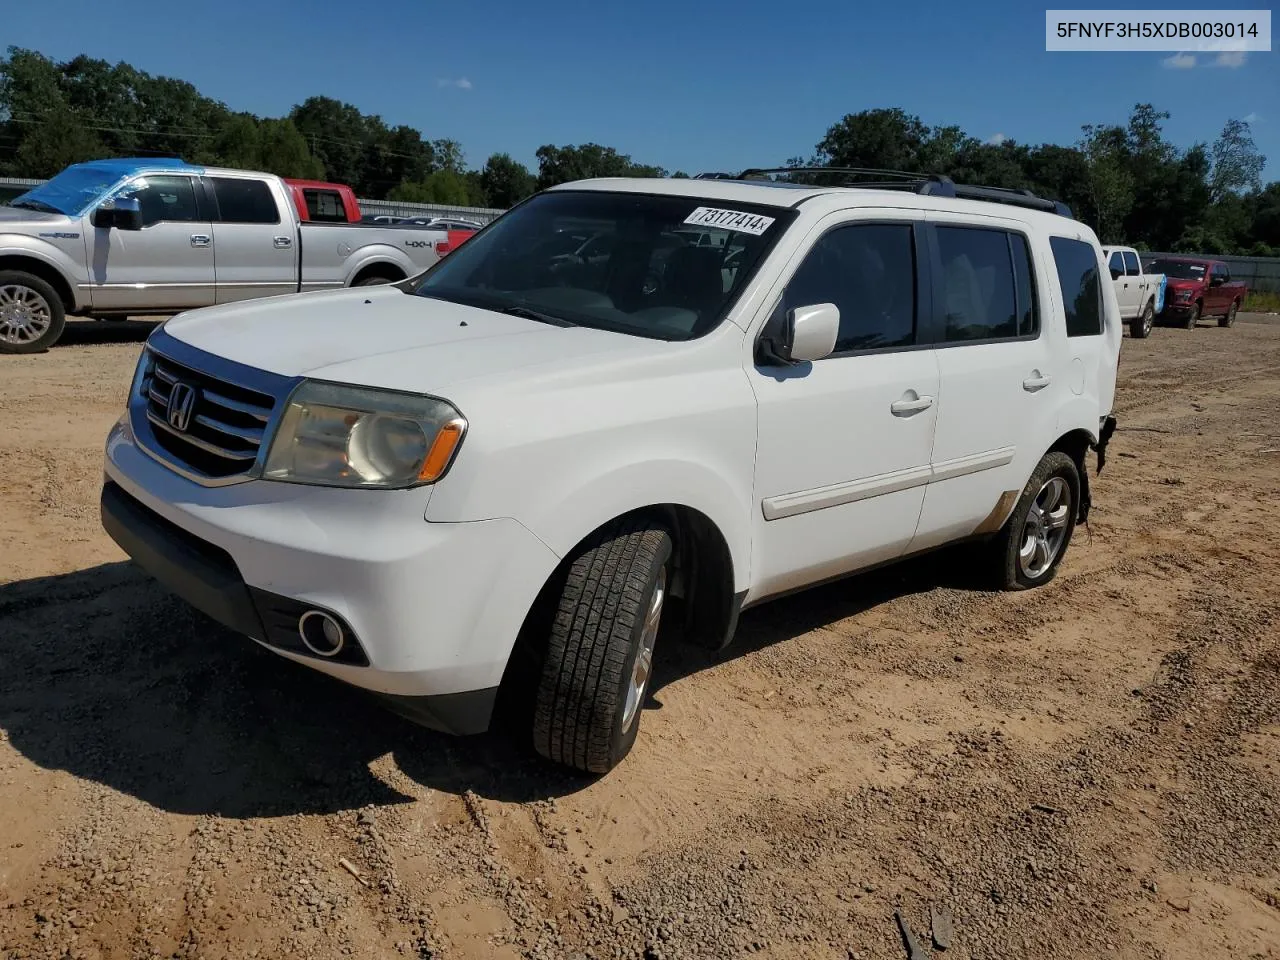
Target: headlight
338	436
1182	295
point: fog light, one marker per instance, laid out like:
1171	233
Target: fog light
321	633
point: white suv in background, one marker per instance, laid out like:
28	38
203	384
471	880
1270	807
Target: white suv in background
513	473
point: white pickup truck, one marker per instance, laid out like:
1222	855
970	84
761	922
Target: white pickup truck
1139	294
111	238
505	481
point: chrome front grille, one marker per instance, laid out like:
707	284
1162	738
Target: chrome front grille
210	426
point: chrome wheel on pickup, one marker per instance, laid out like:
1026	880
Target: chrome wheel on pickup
31	313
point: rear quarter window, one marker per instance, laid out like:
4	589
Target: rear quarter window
1077	264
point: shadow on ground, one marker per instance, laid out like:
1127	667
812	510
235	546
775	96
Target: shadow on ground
88	333
106	676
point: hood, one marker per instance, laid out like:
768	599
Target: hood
381	337
1177	283
20	217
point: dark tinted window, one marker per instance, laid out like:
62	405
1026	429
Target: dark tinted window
1220	271
869	273
325	206
1081	291
1028	314
244	201
1116	264
1131	267
977	284
164	198
643	278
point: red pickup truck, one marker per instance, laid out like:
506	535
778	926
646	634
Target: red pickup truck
1198	288
320	202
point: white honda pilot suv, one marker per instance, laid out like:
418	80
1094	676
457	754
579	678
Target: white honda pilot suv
626	409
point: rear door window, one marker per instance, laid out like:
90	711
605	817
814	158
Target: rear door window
1077	266
983	296
244	201
1131	266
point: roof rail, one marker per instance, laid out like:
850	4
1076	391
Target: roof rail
928	184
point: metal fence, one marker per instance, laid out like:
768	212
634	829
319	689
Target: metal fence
1257	273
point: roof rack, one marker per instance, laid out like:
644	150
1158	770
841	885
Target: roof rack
931	184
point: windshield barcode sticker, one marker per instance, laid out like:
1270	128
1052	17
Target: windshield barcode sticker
729	220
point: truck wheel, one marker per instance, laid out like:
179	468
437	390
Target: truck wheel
1140	327
600	657
1193	315
1034	540
1230	317
31	313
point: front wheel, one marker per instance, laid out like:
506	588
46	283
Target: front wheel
1035	538
1193	316
31	313
1230	317
600	655
1140	328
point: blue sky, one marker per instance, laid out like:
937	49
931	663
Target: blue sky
692	86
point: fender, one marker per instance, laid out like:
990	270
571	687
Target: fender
72	272
579	510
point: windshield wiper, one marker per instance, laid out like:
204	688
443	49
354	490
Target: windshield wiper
516	310
37	205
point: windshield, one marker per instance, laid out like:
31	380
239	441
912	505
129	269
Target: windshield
1178	269
615	261
70	192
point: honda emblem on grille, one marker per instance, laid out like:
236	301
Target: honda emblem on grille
182	400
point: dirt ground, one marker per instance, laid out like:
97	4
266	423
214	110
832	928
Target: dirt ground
1087	770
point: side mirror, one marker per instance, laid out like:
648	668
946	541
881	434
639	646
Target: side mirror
1217	281
805	334
1116	274
123	213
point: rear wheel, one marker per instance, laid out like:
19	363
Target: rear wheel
1230	317
1036	536
31	313
1193	316
1140	328
600	656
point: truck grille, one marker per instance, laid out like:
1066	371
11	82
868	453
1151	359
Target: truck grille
213	427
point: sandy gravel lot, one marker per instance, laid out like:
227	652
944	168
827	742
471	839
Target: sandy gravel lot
1088	770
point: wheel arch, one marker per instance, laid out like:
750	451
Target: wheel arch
1076	445
46	271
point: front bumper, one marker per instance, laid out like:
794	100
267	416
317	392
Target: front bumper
433	608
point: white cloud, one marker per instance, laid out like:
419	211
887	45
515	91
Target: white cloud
1251	118
1180	61
462	83
1231	59
996	139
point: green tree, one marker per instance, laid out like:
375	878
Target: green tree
585	162
884	138
505	181
1110	183
58	140
443	186
1237	164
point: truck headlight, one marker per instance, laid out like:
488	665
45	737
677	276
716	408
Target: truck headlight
340	436
1182	295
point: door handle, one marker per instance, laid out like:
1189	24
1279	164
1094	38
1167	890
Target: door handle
201	240
282	243
1036	382
910	407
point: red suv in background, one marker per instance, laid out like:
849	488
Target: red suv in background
1198	288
